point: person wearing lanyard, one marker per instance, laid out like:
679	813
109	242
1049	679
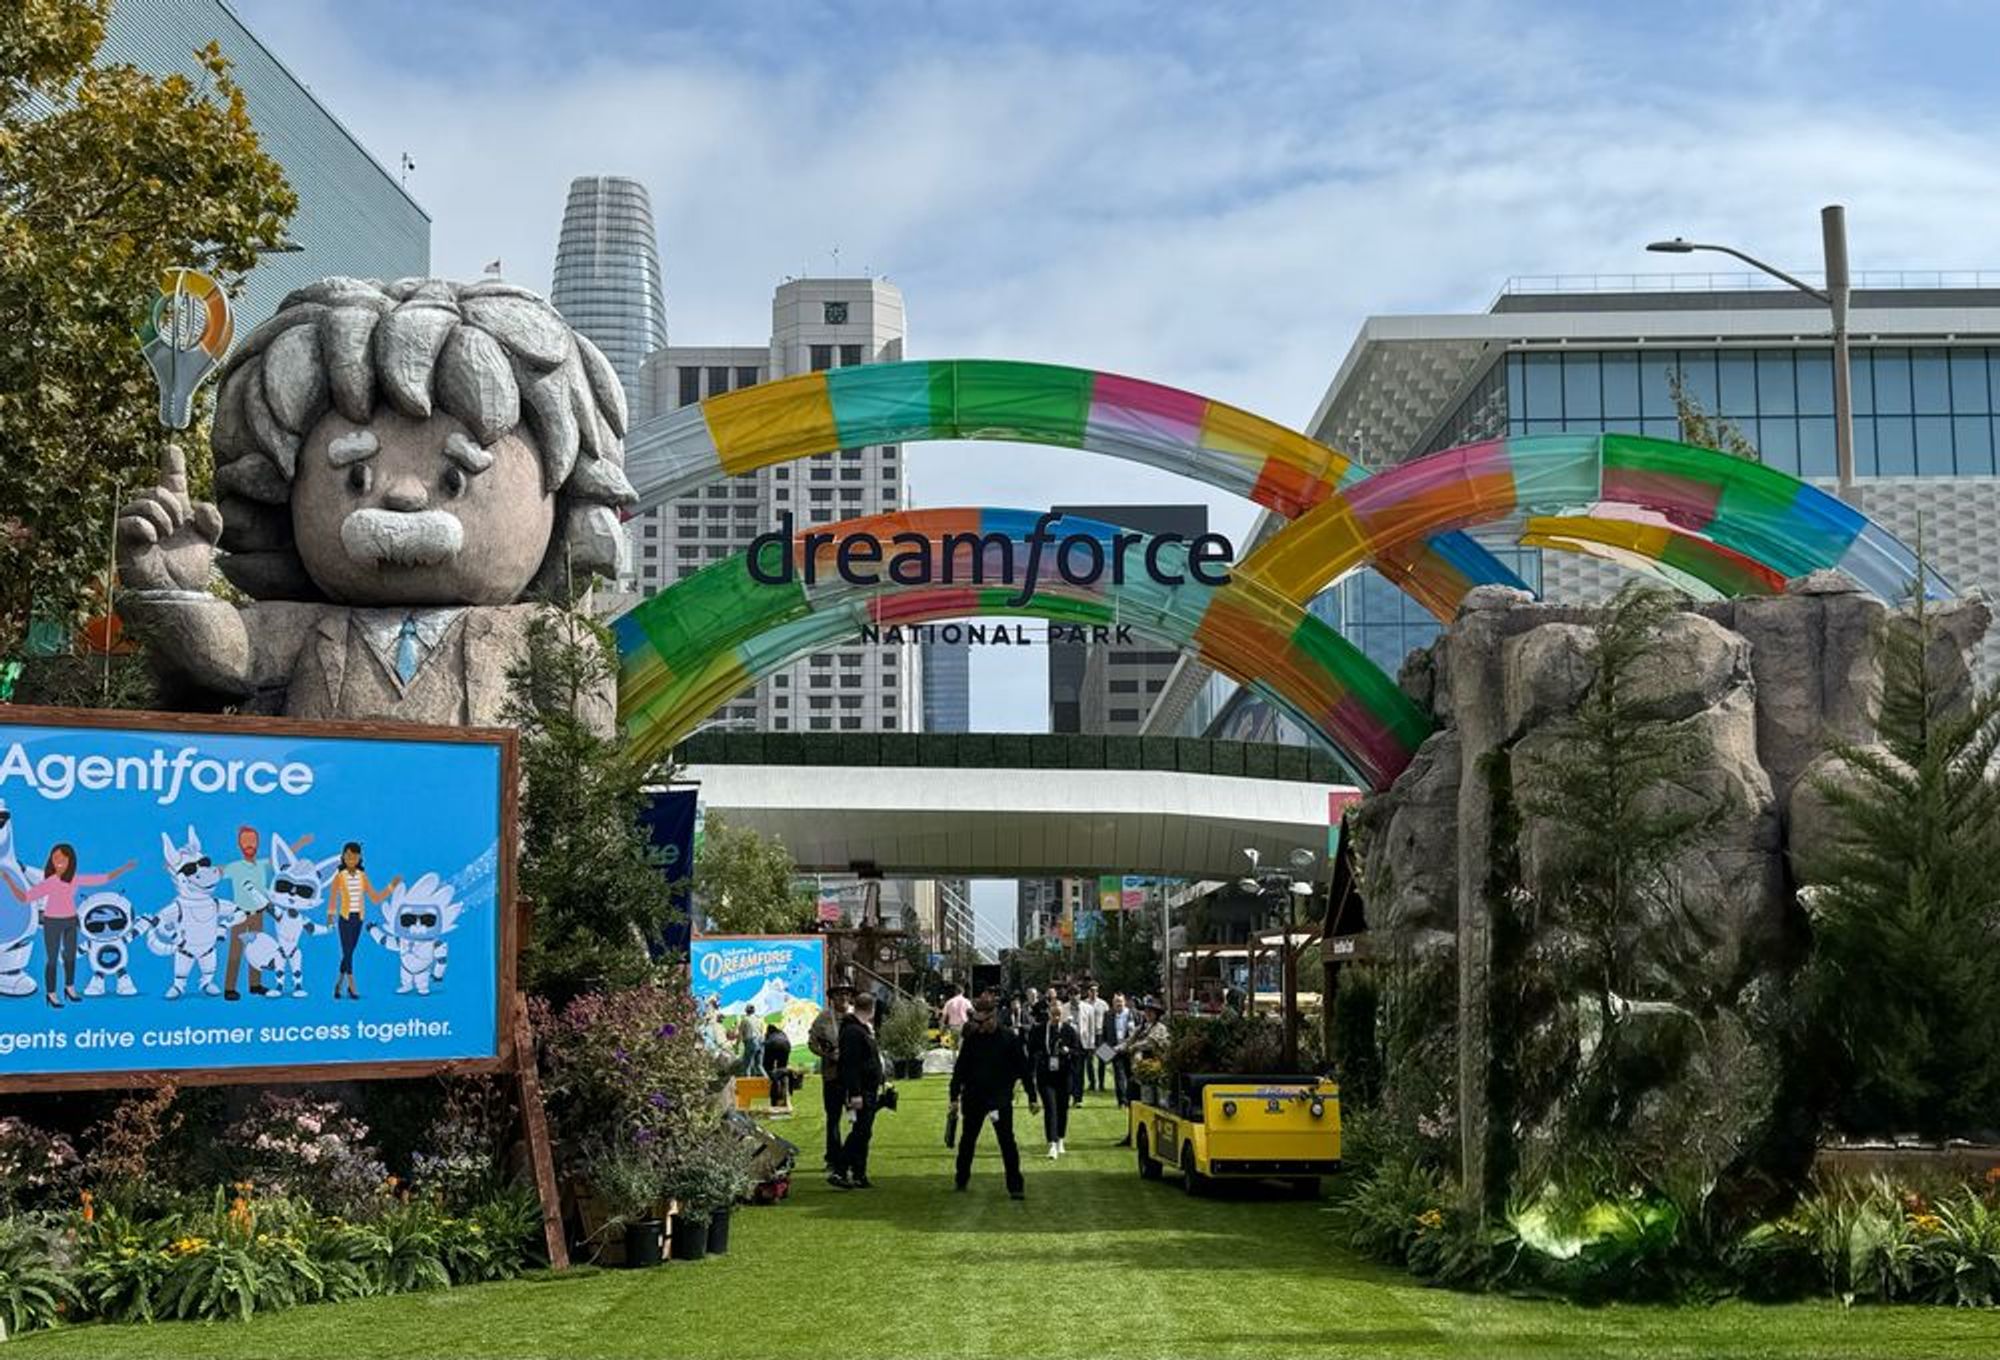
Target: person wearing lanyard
1053	1052
347	908
56	894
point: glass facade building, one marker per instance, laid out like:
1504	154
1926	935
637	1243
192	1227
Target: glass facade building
607	280
947	684
354	218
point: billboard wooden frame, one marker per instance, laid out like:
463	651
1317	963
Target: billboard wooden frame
504	896
514	1049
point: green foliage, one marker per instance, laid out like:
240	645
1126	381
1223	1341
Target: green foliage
1391	1207
1705	430
1904	981
599	892
1357	1063
34	1292
1854	1239
906	1033
1230	1044
747	885
1125	954
117	176
708	1172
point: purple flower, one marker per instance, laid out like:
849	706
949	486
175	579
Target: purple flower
643	1136
619	1054
667	1031
658	1100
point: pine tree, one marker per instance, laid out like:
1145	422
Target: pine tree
1904	980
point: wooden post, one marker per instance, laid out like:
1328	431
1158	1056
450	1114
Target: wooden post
535	1122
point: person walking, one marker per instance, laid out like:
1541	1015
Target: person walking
1053	1052
1119	1025
990	1061
778	1065
956	1008
56	897
860	1087
750	1042
1084	1017
1101	1027
823	1041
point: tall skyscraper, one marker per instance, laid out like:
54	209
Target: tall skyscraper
816	324
353	218
947	687
1107	688
607	277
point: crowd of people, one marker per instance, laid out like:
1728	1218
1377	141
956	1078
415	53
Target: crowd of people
1059	1048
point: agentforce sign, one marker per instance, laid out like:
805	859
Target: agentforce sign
214	898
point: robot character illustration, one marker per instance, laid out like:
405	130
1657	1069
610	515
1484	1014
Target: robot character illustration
416	919
189	927
17	919
109	926
298	887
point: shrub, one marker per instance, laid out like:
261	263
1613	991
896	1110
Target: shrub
34	1292
619	1064
1958	1252
295	1146
905	1034
37	1168
239	1258
1392	1207
462	1162
1855	1240
128	1163
708	1173
123	1264
502	1237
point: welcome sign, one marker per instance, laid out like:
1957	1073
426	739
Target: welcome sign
234	899
776	979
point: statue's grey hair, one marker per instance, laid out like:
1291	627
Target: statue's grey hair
489	354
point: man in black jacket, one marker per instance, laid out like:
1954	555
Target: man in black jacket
989	1062
860	1085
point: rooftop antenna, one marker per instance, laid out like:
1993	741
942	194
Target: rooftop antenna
406	165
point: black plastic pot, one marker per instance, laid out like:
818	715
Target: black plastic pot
718	1234
642	1243
690	1240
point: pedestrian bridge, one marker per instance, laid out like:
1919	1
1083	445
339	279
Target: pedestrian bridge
1005	805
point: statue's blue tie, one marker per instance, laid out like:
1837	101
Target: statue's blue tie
406	649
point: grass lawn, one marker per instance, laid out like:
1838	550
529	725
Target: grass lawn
1094	1265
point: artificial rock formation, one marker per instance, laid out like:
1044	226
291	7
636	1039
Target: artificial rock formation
407	475
1765	687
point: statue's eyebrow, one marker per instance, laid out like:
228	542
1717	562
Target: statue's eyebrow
352	447
461	449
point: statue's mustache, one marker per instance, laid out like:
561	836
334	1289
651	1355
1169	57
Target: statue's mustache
402	538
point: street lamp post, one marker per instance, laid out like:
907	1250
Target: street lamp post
1833	237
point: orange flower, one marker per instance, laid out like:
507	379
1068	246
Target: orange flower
89	1209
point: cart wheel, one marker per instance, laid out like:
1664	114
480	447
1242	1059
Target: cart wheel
1149	1170
1306	1187
1192	1180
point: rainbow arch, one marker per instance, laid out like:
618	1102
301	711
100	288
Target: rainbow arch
691	647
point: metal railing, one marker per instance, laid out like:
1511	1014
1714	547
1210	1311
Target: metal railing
1696	281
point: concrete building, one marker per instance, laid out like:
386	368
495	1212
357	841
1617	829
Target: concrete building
816	324
1585	355
607	280
947	687
353	218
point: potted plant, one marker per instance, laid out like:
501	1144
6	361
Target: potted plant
705	1176
628	1179
903	1037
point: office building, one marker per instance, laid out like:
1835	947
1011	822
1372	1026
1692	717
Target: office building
1108	687
354	217
947	686
1583	356
816	324
607	280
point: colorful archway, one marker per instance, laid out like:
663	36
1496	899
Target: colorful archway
988	399
1774	520
690	648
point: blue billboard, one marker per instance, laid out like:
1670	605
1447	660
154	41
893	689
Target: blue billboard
213	897
777	979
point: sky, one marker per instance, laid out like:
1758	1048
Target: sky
1210	196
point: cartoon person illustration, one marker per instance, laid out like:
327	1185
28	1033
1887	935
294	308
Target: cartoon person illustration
293	898
190	927
347	908
17	919
249	880
56	896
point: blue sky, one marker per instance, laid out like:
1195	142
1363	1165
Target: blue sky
1209	196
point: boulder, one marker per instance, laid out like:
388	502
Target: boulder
1546	671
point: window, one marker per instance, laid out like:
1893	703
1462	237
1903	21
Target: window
820	662
652	551
690	380
819	701
783	473
849	724
820	472
850	474
780	681
652	530
821	724
850	493
850	355
687	552
850	455
780	724
822	358
820	681
746	377
821	495
850	701
780	701
718	381
1124	686
888	724
833	313
850	682
1124	715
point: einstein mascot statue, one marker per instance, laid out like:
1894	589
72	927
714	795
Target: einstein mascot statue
405	474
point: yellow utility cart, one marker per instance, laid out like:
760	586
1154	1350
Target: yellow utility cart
1216	1128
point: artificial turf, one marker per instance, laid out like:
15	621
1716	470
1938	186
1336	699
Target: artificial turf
1094	1263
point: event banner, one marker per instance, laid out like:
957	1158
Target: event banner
201	895
779	979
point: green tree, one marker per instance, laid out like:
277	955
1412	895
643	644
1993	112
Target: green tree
599	889
107	177
1708	431
1904	976
747	885
1126	953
